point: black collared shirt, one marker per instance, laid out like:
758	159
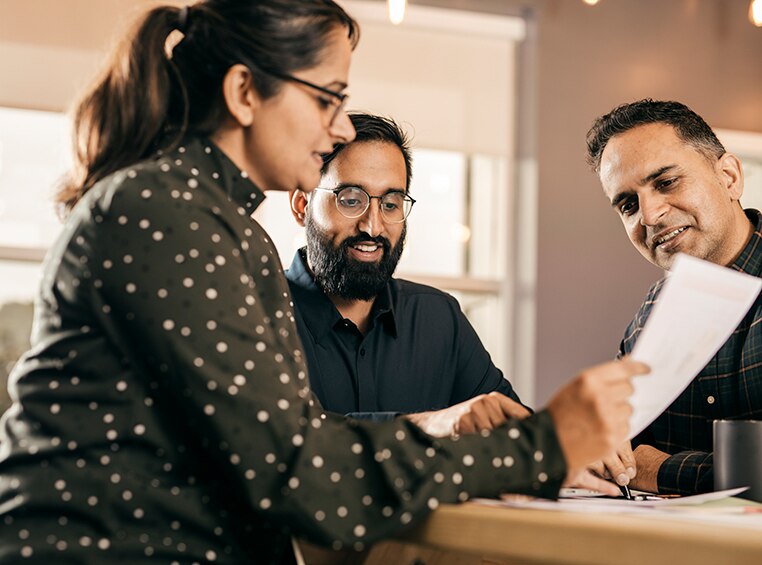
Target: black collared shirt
163	414
729	387
420	352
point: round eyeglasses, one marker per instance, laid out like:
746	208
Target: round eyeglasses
353	202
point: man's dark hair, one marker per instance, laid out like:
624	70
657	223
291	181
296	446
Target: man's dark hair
689	126
376	128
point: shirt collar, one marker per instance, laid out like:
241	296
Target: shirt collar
205	155
383	307
750	259
319	313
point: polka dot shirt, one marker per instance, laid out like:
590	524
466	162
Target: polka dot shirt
163	413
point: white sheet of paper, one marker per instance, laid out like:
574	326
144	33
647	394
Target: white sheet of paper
698	309
660	502
691	508
594	504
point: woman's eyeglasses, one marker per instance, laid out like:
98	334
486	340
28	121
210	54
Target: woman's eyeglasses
338	100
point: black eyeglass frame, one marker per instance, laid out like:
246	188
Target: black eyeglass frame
340	96
405	196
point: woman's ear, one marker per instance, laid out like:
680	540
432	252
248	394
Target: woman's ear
299	201
241	98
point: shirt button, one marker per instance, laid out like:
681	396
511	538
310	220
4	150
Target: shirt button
710	399
362	352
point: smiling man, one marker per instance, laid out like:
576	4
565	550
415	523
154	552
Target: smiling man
676	189
378	346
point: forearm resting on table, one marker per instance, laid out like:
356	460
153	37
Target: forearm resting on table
648	460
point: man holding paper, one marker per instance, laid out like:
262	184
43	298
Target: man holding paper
676	189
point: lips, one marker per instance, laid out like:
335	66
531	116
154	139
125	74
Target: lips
366	252
663	238
320	155
366	249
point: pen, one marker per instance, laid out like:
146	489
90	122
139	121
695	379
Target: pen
626	492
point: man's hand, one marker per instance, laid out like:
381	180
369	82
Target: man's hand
648	459
483	412
585	479
592	412
619	466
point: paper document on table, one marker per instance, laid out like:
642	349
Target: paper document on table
651	501
713	507
605	504
698	308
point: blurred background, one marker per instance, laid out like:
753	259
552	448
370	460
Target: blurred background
497	96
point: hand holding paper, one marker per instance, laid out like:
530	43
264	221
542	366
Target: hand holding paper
700	306
591	412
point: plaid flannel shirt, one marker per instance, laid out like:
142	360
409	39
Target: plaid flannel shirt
729	387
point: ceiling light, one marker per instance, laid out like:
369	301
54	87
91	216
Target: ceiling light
397	10
755	12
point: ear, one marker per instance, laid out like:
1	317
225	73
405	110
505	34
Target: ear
299	201
731	175
241	98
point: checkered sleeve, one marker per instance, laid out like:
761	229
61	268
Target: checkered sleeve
687	472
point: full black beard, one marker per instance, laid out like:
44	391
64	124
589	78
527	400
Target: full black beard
339	275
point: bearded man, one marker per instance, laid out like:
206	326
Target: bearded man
378	347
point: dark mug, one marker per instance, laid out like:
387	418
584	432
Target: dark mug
738	456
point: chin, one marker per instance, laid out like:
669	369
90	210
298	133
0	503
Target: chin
664	262
308	184
656	260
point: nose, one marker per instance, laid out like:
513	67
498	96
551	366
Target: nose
371	221
653	208
342	129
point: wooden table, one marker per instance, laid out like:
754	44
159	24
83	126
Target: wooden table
509	535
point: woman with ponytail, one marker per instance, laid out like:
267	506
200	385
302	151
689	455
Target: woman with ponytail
163	413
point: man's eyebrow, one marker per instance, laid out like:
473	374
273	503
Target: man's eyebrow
619	197
360	185
645	180
657	173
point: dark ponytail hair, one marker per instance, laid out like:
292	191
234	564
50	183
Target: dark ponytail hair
151	95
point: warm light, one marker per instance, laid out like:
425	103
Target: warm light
460	233
755	12
591	2
397	11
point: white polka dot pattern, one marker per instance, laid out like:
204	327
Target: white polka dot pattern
164	414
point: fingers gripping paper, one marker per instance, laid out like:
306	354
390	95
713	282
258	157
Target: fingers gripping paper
698	309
